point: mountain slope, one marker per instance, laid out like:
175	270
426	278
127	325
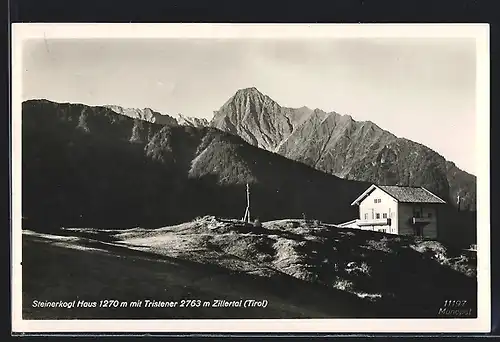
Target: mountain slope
461	184
362	151
338	145
88	166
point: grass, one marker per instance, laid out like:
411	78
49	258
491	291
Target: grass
94	271
303	268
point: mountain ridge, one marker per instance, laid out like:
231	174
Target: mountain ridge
108	169
339	145
86	166
146	114
330	142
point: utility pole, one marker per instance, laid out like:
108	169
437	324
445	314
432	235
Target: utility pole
246	218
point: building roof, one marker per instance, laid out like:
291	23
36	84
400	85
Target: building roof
405	194
411	194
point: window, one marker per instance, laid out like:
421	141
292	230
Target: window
384	215
377	200
366	216
377	215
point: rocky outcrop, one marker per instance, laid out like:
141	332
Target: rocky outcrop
191	121
145	114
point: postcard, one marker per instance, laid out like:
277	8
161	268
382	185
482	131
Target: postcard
224	178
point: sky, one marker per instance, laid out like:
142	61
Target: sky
420	89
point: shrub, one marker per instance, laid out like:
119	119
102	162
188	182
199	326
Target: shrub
353	267
292	224
343	284
365	268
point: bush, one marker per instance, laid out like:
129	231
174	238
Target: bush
292	224
343	284
362	268
257	223
365	268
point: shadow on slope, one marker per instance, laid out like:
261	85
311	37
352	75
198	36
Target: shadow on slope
88	166
93	271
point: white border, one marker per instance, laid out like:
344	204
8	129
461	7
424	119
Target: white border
480	32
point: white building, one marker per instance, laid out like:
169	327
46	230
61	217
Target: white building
399	210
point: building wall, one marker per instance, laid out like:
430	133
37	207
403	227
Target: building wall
387	205
407	210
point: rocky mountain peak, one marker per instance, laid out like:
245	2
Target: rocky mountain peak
255	117
341	146
251	96
248	91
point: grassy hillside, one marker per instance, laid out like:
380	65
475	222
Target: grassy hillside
303	268
88	166
56	269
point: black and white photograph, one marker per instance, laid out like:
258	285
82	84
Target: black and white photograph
230	177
